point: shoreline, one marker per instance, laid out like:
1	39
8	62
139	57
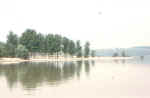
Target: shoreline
6	61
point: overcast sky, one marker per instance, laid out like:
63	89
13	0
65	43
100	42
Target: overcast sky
105	23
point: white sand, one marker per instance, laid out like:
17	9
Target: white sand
18	60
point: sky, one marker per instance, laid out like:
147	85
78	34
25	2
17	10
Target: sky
105	23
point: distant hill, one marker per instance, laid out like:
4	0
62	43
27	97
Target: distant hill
104	52
133	51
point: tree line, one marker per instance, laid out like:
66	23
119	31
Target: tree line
31	42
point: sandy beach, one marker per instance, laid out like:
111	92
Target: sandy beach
18	60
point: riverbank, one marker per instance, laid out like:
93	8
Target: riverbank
11	60
6	61
18	60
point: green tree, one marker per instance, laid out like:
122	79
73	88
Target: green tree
71	48
22	52
57	43
37	42
29	40
65	43
87	49
93	53
12	42
78	49
40	43
49	47
3	51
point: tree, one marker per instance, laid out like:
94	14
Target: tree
12	42
22	52
49	43
78	49
40	43
57	43
29	40
12	39
71	48
34	43
3	51
65	43
87	49
93	53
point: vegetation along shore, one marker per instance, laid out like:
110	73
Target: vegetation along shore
36	46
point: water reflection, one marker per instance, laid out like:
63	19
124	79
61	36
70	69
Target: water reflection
121	61
93	62
79	68
141	58
87	67
116	61
32	75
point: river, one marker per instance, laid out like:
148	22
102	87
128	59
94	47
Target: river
80	79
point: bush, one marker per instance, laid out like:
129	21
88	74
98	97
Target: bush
22	52
3	51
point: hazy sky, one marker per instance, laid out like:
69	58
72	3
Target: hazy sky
105	23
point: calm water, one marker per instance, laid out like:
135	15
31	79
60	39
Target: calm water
82	79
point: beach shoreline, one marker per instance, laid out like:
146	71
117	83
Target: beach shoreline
6	61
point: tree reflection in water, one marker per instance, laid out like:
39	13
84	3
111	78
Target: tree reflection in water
33	75
87	67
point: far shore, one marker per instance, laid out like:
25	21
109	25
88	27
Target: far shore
6	61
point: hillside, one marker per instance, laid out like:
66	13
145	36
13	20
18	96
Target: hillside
133	51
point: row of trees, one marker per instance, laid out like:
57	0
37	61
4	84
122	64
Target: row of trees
31	42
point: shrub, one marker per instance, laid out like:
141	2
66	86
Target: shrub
22	52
